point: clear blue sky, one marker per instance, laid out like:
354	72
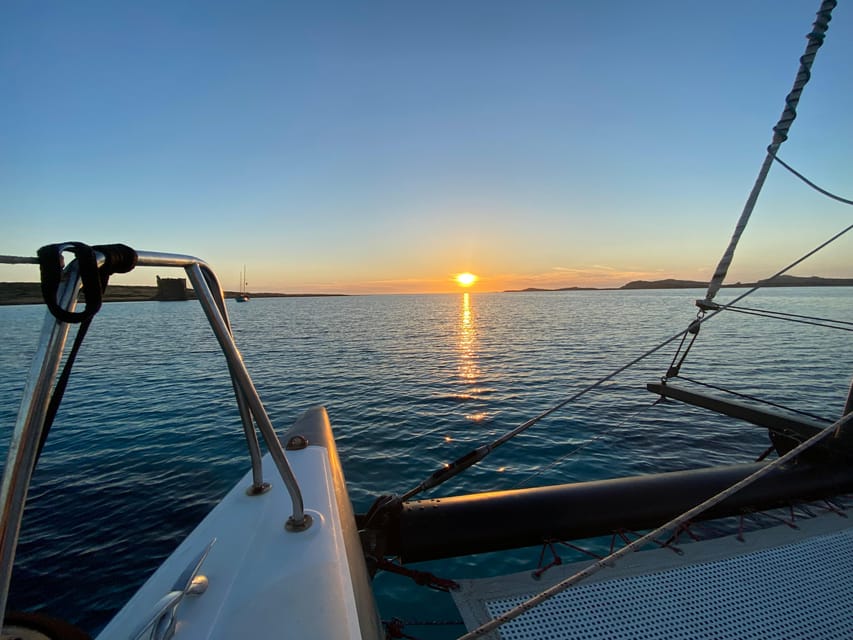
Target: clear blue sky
385	146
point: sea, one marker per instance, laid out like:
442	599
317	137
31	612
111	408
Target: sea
148	437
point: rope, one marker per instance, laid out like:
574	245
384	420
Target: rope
690	514
435	623
779	273
556	560
421	578
693	329
810	183
61	385
783	316
790	317
780	134
117	259
746	396
394	628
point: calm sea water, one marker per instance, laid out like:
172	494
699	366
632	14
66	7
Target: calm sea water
148	438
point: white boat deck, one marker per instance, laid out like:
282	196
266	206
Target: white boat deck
778	583
264	582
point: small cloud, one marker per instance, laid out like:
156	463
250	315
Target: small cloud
594	276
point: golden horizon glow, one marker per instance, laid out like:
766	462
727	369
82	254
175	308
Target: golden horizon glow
466	279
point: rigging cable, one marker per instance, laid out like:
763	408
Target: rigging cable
706	305
747	396
828	194
722	307
693	329
793	317
780	134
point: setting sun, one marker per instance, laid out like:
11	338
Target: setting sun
466	279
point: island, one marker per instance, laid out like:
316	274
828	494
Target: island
669	283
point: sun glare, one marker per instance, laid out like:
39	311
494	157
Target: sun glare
466	279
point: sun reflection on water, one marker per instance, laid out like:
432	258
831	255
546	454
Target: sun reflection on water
468	368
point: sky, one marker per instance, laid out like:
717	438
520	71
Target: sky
384	147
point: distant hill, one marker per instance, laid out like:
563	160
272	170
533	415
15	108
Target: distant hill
665	284
809	281
781	281
561	289
670	283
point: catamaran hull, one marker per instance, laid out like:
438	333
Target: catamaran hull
464	525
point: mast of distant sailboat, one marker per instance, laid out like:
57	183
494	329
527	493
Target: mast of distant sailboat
243	296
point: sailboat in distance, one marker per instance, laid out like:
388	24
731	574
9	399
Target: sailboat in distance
243	296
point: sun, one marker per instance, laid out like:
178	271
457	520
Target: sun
466	279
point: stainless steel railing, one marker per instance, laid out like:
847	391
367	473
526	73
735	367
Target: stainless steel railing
29	426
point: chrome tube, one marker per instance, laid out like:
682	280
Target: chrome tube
23	448
18	260
258	484
156	259
202	278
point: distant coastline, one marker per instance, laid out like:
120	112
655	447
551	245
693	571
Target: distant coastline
781	281
30	293
12	293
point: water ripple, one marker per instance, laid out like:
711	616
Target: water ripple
149	437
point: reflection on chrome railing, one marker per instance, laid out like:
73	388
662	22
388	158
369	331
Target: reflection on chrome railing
26	436
30	424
